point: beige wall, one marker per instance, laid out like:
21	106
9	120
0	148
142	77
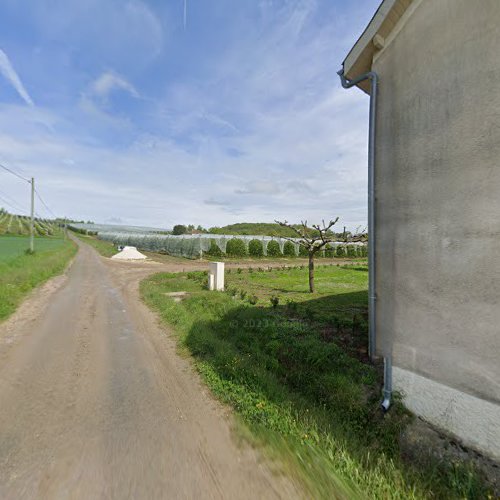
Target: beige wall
438	196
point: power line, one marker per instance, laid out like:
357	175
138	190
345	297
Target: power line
14	173
45	204
12	201
12	206
30	182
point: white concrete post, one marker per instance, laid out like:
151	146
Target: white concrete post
216	276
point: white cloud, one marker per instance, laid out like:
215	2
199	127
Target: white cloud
265	187
157	182
12	77
298	142
109	81
96	103
270	135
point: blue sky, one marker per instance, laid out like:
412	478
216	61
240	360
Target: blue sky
145	112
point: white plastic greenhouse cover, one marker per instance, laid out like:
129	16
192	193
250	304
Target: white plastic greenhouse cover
190	246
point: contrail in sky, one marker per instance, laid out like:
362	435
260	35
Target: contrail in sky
185	13
9	73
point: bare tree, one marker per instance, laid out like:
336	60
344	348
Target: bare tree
312	240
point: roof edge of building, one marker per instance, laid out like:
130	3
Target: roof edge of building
360	57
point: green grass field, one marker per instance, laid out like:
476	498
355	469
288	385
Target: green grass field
341	296
14	246
293	370
21	272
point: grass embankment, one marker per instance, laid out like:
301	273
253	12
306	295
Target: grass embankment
21	272
105	248
293	371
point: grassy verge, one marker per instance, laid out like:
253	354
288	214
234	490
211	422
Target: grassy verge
20	272
293	371
105	248
108	249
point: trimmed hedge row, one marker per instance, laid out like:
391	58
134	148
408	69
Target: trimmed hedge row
256	248
237	248
273	249
289	249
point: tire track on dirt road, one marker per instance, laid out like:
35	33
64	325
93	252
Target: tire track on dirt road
96	403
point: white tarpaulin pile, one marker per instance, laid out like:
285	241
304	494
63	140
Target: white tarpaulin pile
129	253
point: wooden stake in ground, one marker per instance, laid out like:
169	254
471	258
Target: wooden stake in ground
313	241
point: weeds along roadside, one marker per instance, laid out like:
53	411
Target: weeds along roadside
104	248
20	272
298	392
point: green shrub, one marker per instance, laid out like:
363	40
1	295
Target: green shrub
273	249
214	250
329	251
303	251
351	251
340	251
274	301
289	249
363	251
255	248
236	248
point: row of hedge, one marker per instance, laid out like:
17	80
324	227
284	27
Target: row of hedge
237	248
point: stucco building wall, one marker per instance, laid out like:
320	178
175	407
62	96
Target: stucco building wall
438	213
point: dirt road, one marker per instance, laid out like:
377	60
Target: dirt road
95	402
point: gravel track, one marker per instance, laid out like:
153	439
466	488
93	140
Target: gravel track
96	403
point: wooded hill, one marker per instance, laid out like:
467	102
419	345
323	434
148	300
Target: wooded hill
257	229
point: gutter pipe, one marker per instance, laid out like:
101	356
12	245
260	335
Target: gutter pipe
374	82
387	391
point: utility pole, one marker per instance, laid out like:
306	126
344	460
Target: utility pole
32	221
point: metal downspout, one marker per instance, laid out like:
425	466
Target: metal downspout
347	84
386	403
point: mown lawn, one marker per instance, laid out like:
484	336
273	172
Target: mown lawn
291	365
21	272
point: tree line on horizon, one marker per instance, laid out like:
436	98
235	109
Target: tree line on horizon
252	229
